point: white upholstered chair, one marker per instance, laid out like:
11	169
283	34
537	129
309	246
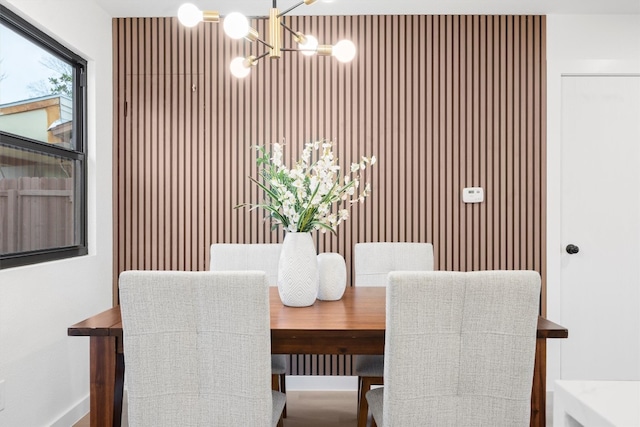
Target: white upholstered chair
260	257
198	349
372	263
459	349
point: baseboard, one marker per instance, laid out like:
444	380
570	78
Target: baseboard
73	415
321	382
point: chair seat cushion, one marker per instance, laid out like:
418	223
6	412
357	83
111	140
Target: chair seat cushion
369	365
278	401
278	364
375	399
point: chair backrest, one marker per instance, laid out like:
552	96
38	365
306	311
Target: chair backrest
460	348
249	256
198	348
373	261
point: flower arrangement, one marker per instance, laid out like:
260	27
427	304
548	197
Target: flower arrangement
313	195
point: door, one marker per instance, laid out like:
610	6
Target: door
601	218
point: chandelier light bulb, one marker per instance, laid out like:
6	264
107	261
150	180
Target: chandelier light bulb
189	15
236	25
238	67
309	47
344	51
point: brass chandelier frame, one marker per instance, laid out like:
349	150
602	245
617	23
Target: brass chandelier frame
240	66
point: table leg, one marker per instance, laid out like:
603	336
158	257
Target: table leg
107	380
539	389
118	390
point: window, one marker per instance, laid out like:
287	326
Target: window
43	210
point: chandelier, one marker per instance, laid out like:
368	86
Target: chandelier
237	26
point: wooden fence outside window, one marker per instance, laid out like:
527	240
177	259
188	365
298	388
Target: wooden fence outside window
36	213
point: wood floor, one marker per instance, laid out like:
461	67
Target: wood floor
307	409
323	409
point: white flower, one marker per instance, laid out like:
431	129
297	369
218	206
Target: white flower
306	155
276	158
373	160
297	173
314	182
323	208
302	198
298	183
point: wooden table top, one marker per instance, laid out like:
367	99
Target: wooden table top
360	309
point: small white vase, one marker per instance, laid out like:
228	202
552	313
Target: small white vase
298	270
332	272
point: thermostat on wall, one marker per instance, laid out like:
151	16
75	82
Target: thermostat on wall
473	195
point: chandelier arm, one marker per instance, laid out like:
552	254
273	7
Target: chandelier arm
290	9
286	27
265	43
297	50
255	59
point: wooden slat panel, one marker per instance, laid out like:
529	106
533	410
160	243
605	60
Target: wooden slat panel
444	102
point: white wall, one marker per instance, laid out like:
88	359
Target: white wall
576	45
46	372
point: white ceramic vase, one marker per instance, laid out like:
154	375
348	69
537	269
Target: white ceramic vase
332	271
298	270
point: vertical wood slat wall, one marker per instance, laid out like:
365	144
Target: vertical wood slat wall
444	102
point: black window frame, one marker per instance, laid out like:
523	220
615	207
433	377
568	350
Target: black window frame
76	154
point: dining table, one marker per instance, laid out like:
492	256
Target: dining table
354	324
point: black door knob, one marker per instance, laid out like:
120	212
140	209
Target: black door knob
572	249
